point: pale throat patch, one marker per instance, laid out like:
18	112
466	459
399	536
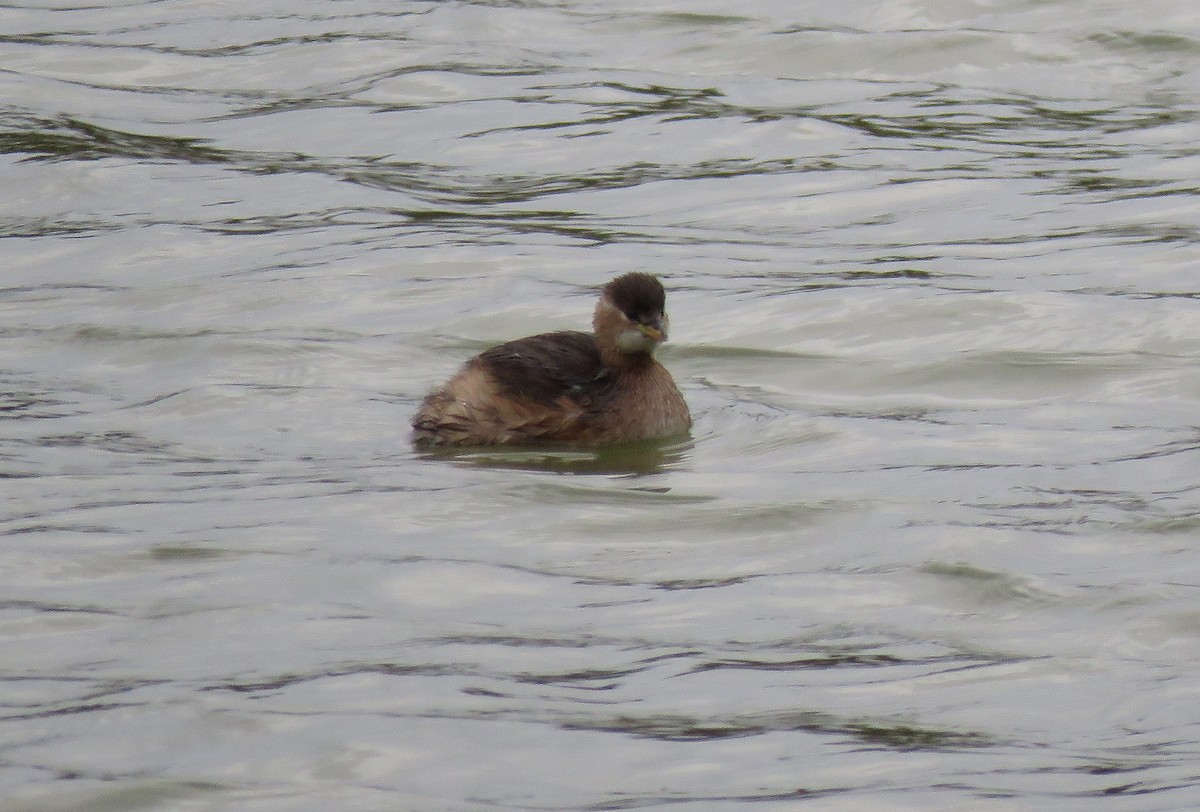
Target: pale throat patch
634	341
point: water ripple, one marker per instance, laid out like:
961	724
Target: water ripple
932	287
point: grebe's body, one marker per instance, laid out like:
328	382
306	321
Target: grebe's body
567	387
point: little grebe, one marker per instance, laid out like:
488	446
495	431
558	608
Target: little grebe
567	387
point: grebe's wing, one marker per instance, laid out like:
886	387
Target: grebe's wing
544	368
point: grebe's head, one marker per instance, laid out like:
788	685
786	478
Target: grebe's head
631	314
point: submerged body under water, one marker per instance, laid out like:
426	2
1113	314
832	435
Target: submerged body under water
928	544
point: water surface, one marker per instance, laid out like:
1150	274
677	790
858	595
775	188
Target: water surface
931	544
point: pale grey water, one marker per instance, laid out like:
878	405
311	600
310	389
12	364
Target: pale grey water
932	272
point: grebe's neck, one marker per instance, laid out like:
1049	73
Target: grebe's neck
625	363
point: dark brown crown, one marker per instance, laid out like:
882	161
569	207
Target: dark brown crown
638	295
